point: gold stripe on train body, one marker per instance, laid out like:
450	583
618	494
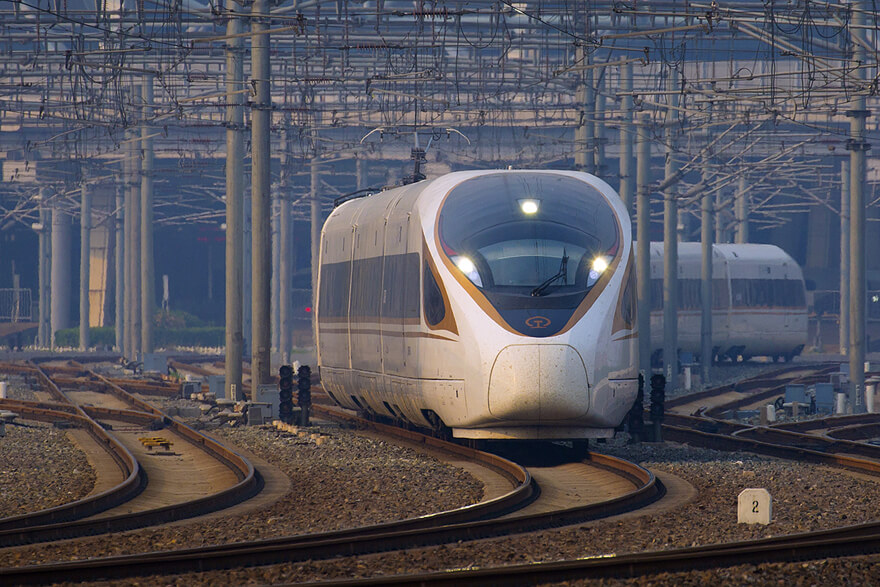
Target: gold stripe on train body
380	332
740	311
490	310
619	323
448	322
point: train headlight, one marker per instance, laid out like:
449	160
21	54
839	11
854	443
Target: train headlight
468	268
597	268
529	206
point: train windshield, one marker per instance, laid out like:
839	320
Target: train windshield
529	240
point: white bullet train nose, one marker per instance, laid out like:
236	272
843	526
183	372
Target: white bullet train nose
539	382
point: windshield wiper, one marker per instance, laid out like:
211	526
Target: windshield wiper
561	274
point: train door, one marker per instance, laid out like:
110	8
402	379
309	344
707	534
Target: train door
366	294
333	304
721	301
394	285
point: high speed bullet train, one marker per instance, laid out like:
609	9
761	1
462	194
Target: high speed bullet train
497	304
759	303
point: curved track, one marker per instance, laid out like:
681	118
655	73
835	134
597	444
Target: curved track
473	522
837	444
93	514
748	392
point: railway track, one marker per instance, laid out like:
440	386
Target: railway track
837	445
94	514
703	429
482	520
748	392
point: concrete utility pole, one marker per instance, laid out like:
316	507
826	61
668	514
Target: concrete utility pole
285	271
247	276
148	287
643	251
844	257
599	125
742	212
60	304
589	125
627	178
670	287
45	268
670	246
127	216
585	132
85	250
234	207
857	146
44	259
706	299
260	196
275	283
720	228
361	174
119	272
133	211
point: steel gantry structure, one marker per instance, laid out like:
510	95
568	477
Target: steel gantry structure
132	115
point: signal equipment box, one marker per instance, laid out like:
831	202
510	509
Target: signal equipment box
268	394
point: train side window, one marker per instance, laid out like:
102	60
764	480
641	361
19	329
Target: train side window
798	298
435	309
788	293
393	288
740	290
366	288
400	296
720	294
780	292
656	294
335	282
688	294
411	300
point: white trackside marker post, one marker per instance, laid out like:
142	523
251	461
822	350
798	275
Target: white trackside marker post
755	507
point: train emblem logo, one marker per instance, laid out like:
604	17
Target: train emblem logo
538	322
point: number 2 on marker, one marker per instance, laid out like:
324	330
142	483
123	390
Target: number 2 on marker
755	506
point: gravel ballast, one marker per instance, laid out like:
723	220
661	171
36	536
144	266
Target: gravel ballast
349	480
40	467
806	497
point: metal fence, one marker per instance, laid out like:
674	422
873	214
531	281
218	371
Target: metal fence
15	305
827	303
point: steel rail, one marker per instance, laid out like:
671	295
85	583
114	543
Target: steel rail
846	541
14	526
146	387
862	430
830	422
46	527
808	546
248	478
133	416
774	380
408	534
